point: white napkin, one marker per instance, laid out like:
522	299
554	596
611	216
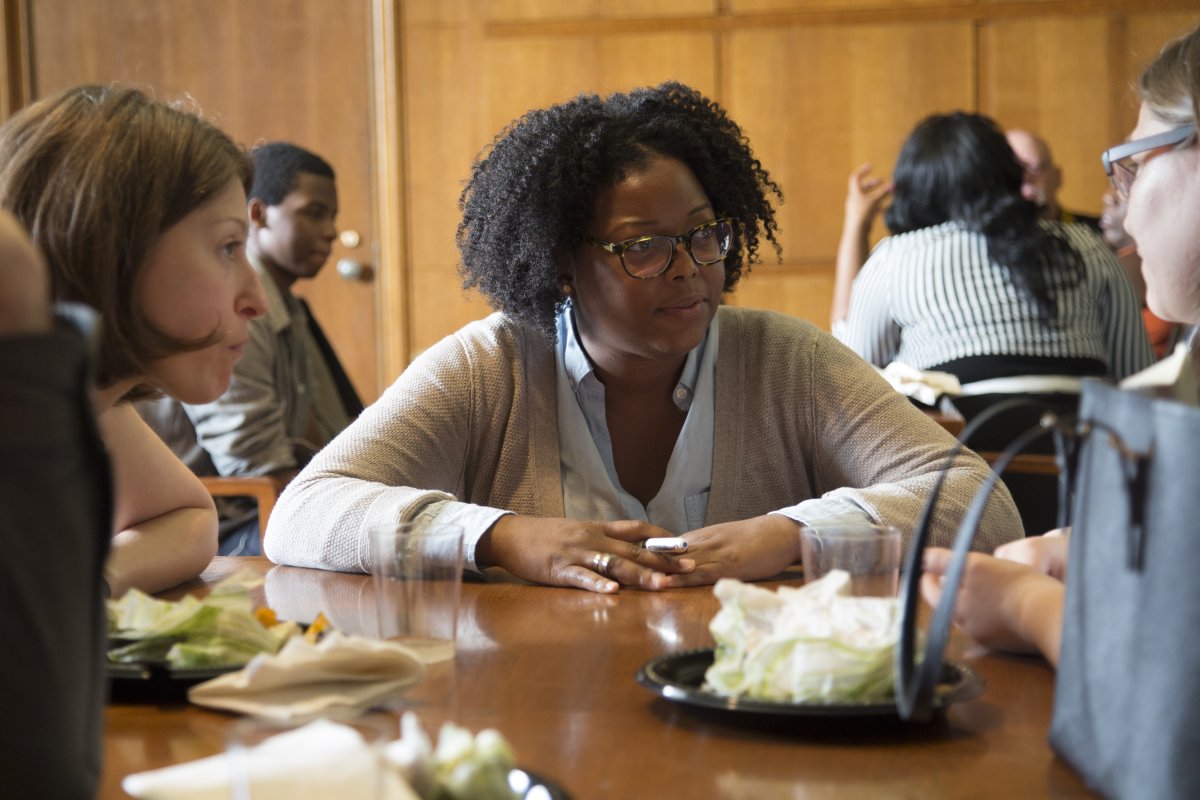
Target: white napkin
1174	377
921	385
338	674
321	760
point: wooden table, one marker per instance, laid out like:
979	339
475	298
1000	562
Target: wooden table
553	669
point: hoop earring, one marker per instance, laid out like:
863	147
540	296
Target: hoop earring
566	288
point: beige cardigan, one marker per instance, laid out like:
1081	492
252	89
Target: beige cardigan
798	416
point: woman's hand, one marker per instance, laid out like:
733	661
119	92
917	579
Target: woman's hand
1001	604
759	547
1046	554
597	556
865	197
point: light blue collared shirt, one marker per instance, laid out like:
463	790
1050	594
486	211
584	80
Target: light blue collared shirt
591	488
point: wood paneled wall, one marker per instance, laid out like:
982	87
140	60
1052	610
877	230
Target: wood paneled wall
819	86
294	70
403	94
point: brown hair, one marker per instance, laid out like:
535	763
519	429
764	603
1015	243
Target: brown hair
1170	86
97	174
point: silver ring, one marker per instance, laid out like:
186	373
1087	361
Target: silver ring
601	562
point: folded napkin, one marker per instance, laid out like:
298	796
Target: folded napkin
338	674
921	385
1172	378
320	760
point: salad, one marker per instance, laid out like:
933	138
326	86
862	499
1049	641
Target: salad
813	644
220	630
461	767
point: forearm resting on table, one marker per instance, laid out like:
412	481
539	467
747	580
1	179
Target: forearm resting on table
1039	616
162	552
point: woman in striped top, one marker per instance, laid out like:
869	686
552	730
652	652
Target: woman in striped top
972	283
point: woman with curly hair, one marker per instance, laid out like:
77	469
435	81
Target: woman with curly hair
610	398
971	282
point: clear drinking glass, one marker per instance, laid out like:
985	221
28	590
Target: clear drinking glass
870	553
418	581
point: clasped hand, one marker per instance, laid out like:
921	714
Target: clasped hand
603	556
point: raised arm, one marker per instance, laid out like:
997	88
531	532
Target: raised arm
865	197
164	521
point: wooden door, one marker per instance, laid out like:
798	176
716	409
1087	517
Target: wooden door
273	69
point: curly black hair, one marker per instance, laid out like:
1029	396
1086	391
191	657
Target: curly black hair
533	192
960	167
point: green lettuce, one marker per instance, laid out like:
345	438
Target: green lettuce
461	767
216	631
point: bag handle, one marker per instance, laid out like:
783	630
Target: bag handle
1135	467
916	682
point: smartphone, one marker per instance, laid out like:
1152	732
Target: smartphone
666	544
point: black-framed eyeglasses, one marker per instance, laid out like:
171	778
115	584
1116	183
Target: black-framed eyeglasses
650	256
1118	161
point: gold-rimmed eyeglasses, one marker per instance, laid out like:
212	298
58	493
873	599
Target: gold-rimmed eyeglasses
650	256
1118	161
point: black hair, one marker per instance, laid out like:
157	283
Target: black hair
533	192
277	168
959	167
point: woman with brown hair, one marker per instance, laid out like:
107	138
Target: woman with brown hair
140	210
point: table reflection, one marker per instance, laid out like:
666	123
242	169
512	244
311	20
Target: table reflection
554	670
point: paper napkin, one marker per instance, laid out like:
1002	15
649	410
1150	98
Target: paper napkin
1174	377
320	760
338	674
924	386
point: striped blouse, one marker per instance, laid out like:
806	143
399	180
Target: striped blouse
931	296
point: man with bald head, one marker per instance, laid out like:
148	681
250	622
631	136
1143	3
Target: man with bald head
1043	177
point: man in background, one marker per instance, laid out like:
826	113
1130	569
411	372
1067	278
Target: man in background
1043	178
289	396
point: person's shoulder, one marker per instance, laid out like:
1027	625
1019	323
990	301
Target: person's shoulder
930	234
1086	220
495	339
752	321
770	333
1087	242
497	330
894	249
776	350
